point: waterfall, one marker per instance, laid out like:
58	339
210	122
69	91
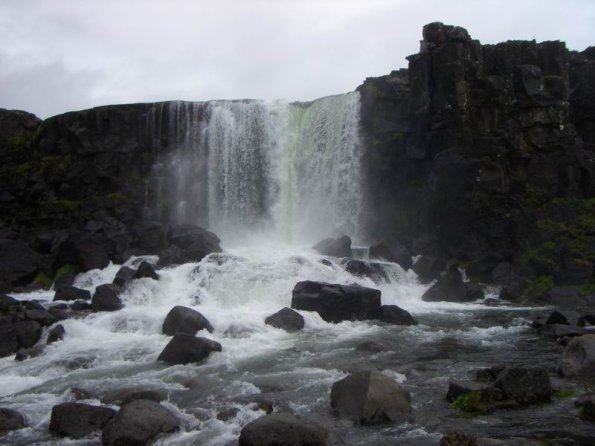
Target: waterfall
288	170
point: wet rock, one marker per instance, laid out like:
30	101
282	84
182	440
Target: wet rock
188	243
578	358
369	347
557	331
80	394
228	414
44	317
56	334
9	343
184	349
26	353
361	268
340	247
106	298
10	420
566	317
524	385
282	429
19	263
393	314
84	251
69	292
8	304
80	305
428	268
27	333
455	438
563	297
145	269
124	275
394	252
370	398
77	420
451	288
182	319
138	422
487	394
586	406
500	275
334	302
122	397
286	319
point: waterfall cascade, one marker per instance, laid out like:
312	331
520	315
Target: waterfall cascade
239	167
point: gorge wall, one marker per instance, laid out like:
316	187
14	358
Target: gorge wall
481	155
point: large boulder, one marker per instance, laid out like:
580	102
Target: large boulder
428	268
84	251
286	319
124	275
185	320
56	334
393	314
145	269
524	385
69	292
282	429
371	398
451	288
19	264
138	422
393	252
184	348
340	247
334	302
106	298
578	358
27	333
77	420
188	243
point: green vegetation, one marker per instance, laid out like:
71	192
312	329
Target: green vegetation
539	286
564	393
44	280
471	403
63	270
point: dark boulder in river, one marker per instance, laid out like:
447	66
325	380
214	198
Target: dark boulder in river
106	298
340	247
185	320
393	314
451	288
336	303
188	243
578	359
282	429
10	420
69	292
185	348
138	422
77	420
286	319
145	269
371	398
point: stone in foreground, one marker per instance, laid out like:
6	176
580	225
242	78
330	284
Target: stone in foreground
138	422
185	348
286	319
336	303
282	429
185	320
371	398
578	359
76	420
10	420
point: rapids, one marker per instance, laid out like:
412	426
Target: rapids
236	291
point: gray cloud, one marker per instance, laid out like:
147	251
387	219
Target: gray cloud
61	55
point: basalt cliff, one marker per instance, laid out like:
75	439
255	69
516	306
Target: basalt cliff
481	156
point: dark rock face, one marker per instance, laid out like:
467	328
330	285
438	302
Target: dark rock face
10	420
451	288
137	423
340	247
69	292
370	398
188	243
286	319
483	153
336	303
78	420
282	429
145	269
487	393
428	268
123	276
18	263
56	334
395	252
84	251
106	298
124	396
393	314
185	320
361	268
185	348
578	359
524	385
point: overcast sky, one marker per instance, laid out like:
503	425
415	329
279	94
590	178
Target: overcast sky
63	55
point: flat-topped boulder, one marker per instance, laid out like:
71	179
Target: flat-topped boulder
334	302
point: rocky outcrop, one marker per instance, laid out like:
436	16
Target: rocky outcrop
371	398
336	303
282	428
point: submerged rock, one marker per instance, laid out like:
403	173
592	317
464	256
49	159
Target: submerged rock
286	319
182	319
185	348
393	314
282	429
336	303
340	247
137	423
77	420
371	398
